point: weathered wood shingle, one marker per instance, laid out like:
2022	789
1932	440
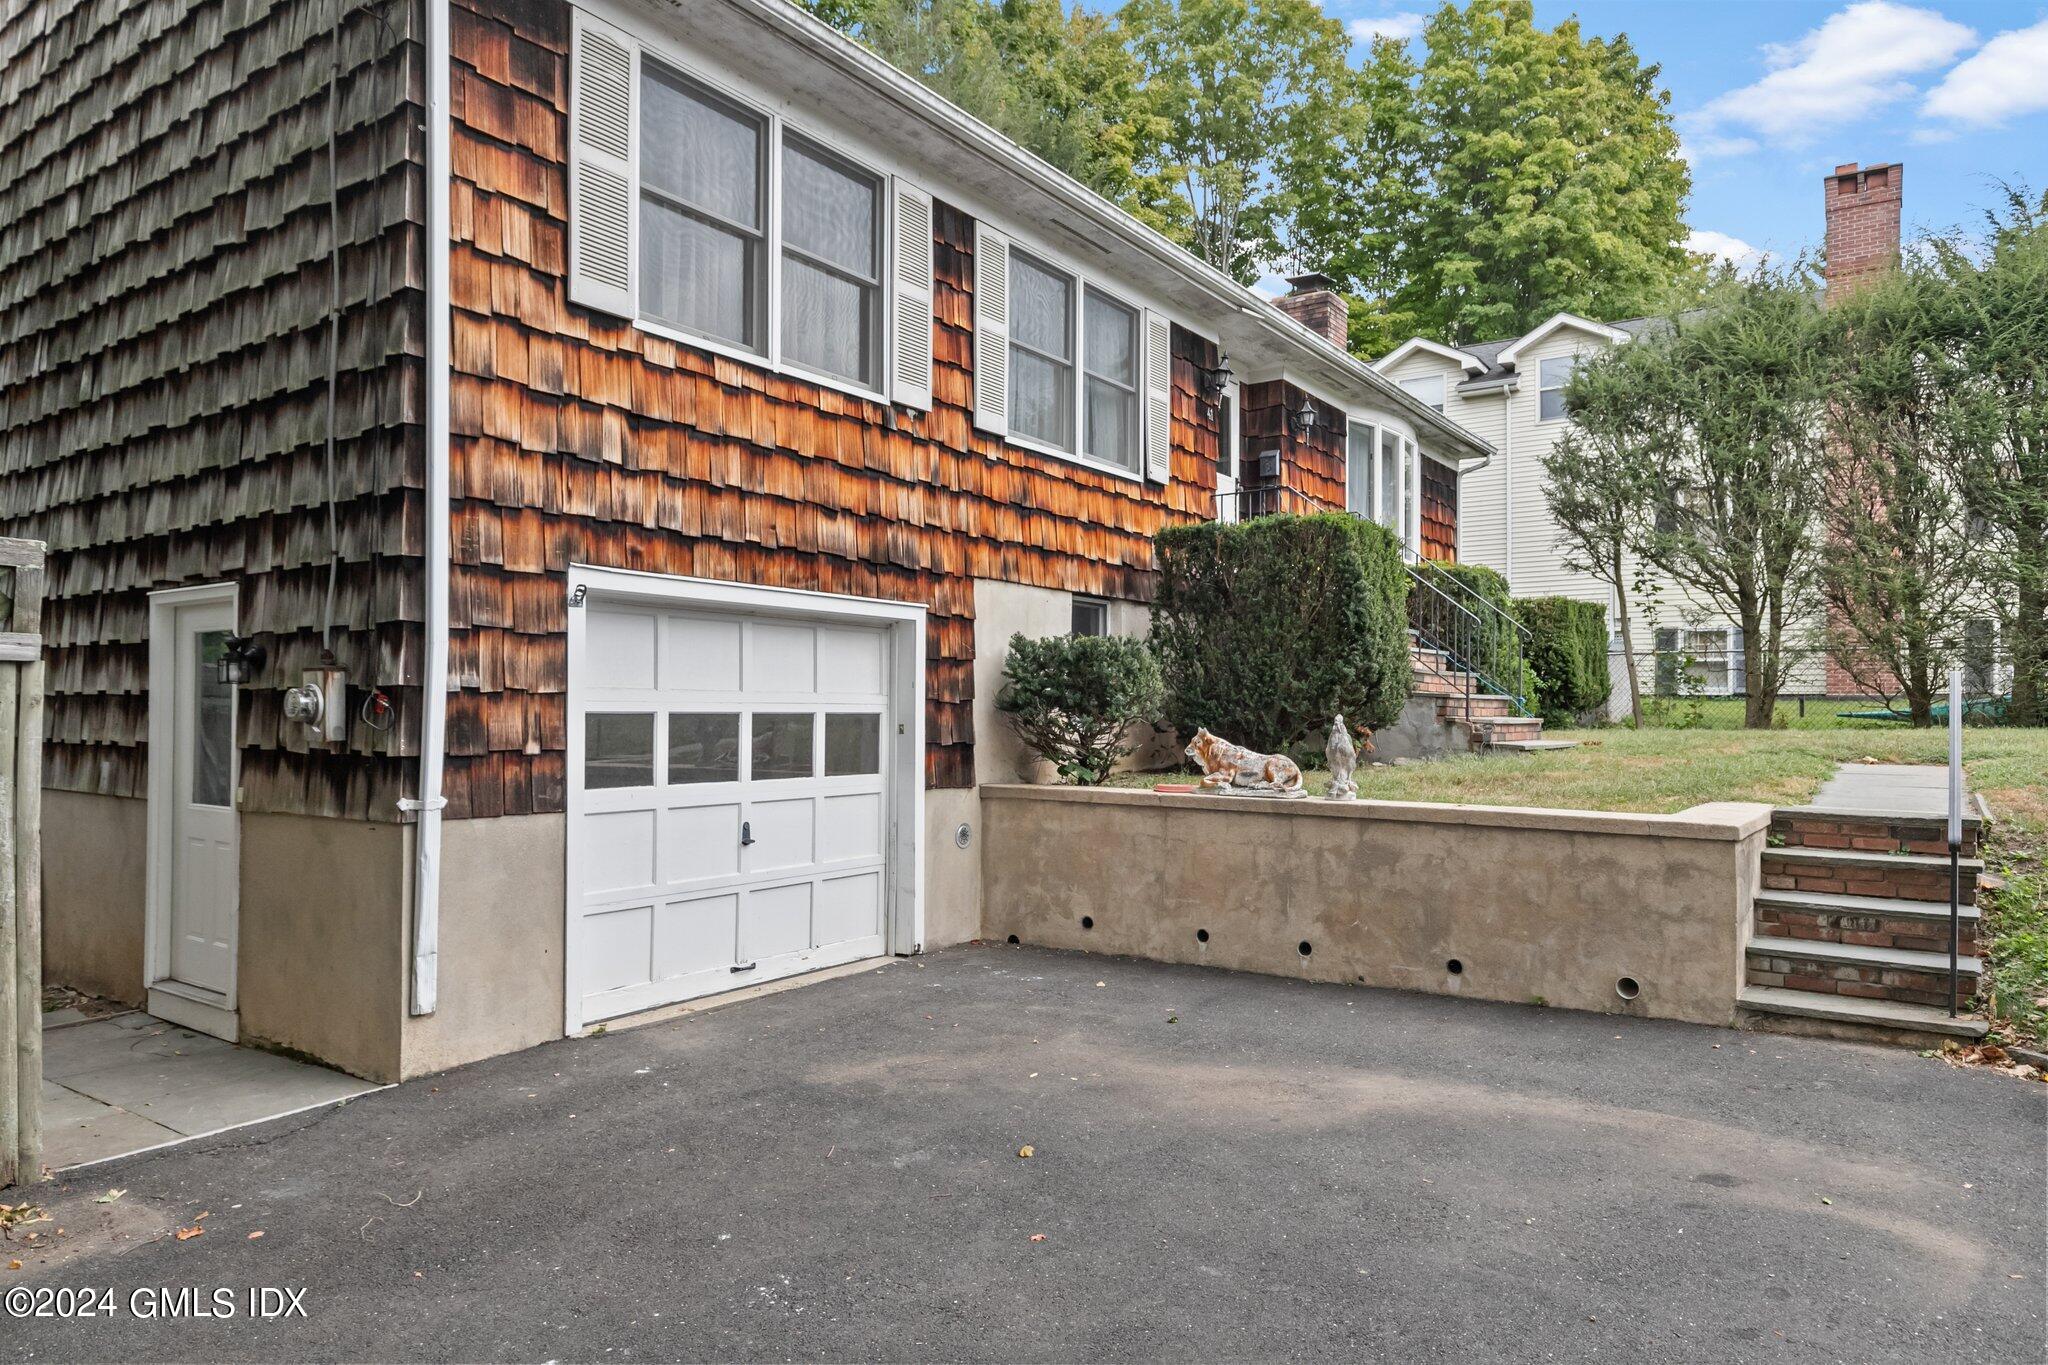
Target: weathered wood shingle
163	300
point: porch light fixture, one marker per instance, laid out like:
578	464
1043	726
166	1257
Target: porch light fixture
240	657
1214	378
1306	417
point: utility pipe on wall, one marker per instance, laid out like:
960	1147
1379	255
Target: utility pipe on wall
426	875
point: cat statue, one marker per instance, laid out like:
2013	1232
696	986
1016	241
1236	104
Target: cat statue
1228	767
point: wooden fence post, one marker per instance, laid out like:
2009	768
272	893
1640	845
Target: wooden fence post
21	863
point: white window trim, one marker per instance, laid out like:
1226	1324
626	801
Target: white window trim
1084	285
776	126
1443	390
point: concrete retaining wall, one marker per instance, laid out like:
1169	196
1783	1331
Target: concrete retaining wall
1556	906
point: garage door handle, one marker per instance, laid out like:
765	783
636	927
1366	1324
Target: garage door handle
746	833
746	966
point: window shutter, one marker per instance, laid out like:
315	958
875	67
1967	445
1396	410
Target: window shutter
911	382
604	171
991	330
1738	671
1158	370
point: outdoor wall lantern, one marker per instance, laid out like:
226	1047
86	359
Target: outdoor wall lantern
1215	379
1306	418
240	657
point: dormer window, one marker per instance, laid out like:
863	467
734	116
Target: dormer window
1552	374
1427	390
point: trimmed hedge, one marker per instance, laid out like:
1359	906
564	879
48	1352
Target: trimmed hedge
1500	659
1568	652
1265	628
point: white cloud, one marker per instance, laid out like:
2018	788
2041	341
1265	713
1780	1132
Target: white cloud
1858	60
2007	76
1721	246
1707	145
1400	27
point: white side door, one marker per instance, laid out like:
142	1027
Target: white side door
195	870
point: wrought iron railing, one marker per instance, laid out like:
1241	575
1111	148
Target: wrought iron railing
1266	500
1474	638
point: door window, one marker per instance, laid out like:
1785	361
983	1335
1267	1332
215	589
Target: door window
703	747
853	744
618	749
213	722
782	745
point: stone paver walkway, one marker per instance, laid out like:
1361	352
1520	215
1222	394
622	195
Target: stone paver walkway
1894	788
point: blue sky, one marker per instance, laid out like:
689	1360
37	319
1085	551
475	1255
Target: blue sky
1771	94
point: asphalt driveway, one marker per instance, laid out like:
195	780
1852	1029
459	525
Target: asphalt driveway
1224	1166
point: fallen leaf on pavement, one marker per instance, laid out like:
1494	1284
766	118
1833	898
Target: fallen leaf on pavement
187	1234
1025	1151
254	1235
109	1197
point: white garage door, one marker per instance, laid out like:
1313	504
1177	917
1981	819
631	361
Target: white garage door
728	809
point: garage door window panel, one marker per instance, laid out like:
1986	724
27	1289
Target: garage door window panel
853	744
782	745
703	747
618	749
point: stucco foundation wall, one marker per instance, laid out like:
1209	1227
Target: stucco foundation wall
500	969
1418	733
1005	609
95	861
323	947
952	874
1534	904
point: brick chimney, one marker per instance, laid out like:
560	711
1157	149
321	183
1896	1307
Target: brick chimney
1863	223
1313	301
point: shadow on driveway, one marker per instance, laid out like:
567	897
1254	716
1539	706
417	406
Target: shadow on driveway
1224	1166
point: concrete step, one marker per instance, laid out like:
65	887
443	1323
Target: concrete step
1905	975
1851	872
1532	746
1871	831
1865	921
1880	1017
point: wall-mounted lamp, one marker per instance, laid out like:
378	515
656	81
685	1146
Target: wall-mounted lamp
240	657
1306	417
1214	379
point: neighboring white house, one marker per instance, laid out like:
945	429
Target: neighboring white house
1510	394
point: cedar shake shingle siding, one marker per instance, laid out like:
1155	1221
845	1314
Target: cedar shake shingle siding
578	438
163	304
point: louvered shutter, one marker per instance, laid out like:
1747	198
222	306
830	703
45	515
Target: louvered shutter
911	307
991	330
604	197
1158	371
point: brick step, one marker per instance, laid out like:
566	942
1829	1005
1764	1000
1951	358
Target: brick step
1848	872
1509	727
1899	974
1863	921
1443	685
1871	831
1477	705
1884	1017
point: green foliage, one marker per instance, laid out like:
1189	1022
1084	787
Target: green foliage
1245	93
1996	356
1265	628
1062	85
1494	643
1077	699
1567	652
1517	172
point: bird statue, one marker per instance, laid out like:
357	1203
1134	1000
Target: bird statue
1342	756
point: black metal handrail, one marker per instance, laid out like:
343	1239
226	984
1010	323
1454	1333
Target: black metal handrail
1471	634
1264	500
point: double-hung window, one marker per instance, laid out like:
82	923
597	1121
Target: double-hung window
1073	388
703	212
1552	374
1041	352
714	257
831	265
1358	468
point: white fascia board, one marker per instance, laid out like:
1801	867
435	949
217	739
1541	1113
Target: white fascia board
1466	361
1587	325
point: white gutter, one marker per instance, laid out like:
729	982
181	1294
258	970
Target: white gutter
426	871
1507	473
975	136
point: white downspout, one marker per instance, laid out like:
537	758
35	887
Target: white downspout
1507	473
426	872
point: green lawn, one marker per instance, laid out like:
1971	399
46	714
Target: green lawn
1668	770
